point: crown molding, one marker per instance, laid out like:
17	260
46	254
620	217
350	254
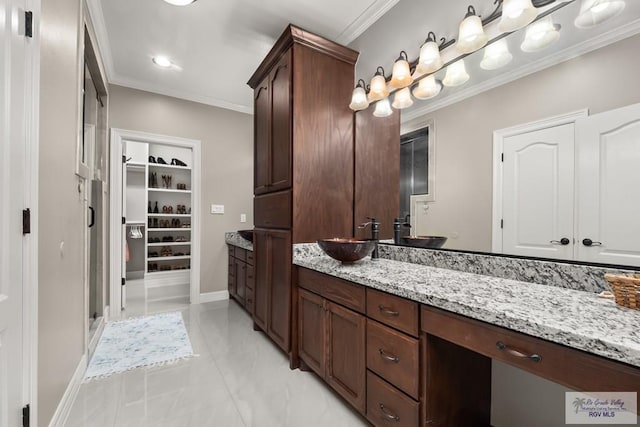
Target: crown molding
602	40
100	29
367	18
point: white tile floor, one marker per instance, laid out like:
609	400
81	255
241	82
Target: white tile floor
239	379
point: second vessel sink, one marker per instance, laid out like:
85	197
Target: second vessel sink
347	250
432	242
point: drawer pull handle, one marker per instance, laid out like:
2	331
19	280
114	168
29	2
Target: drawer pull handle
387	311
389	357
512	351
388	415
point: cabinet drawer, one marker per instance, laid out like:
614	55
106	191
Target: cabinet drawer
388	406
333	289
250	257
394	356
273	210
573	368
394	311
240	254
232	250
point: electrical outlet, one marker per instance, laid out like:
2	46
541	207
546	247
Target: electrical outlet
217	209
243	217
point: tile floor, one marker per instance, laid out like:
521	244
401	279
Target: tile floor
239	379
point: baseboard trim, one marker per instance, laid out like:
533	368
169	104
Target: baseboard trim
64	407
214	296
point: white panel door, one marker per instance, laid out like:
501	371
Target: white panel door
13	135
608	187
538	185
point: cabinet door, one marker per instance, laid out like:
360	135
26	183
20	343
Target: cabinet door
279	289
280	150
241	279
311	331
232	276
261	279
262	136
346	364
608	180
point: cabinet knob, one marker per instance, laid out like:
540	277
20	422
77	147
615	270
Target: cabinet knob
589	242
564	241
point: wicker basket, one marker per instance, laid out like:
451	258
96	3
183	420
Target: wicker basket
626	289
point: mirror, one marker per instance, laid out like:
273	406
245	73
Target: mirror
599	80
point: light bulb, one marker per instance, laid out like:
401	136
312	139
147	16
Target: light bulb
402	99
496	55
594	12
540	35
456	74
516	14
430	60
359	99
471	36
401	76
378	86
427	88
383	108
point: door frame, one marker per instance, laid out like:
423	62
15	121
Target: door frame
29	184
118	136
498	144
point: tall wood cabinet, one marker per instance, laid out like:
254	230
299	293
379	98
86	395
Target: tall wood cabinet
305	164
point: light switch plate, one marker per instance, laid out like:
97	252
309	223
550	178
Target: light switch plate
243	217
217	209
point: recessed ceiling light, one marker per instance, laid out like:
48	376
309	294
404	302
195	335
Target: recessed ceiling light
180	2
162	61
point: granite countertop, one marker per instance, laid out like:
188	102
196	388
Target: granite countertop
577	319
234	239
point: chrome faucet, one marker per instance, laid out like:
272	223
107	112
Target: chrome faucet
375	228
398	223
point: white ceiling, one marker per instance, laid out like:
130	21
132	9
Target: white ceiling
216	45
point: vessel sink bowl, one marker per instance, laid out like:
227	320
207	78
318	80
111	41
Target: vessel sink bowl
432	242
347	250
246	235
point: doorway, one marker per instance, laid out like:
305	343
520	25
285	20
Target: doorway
155	201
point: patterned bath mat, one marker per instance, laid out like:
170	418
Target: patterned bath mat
135	343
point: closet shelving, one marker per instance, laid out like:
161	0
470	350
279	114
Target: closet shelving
162	232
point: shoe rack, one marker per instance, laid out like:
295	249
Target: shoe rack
169	178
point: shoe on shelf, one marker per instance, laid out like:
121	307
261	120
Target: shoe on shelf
161	161
152	159
178	162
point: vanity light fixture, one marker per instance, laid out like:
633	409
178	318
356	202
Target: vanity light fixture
383	108
162	61
427	88
378	86
456	74
402	99
430	60
540	35
496	55
471	36
401	76
516	14
594	12
359	99
180	2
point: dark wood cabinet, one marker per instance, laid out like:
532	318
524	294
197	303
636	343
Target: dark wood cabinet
272	124
332	344
272	286
303	172
240	284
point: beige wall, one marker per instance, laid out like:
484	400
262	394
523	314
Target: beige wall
61	319
601	80
227	163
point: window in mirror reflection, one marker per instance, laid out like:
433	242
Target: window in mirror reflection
414	168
